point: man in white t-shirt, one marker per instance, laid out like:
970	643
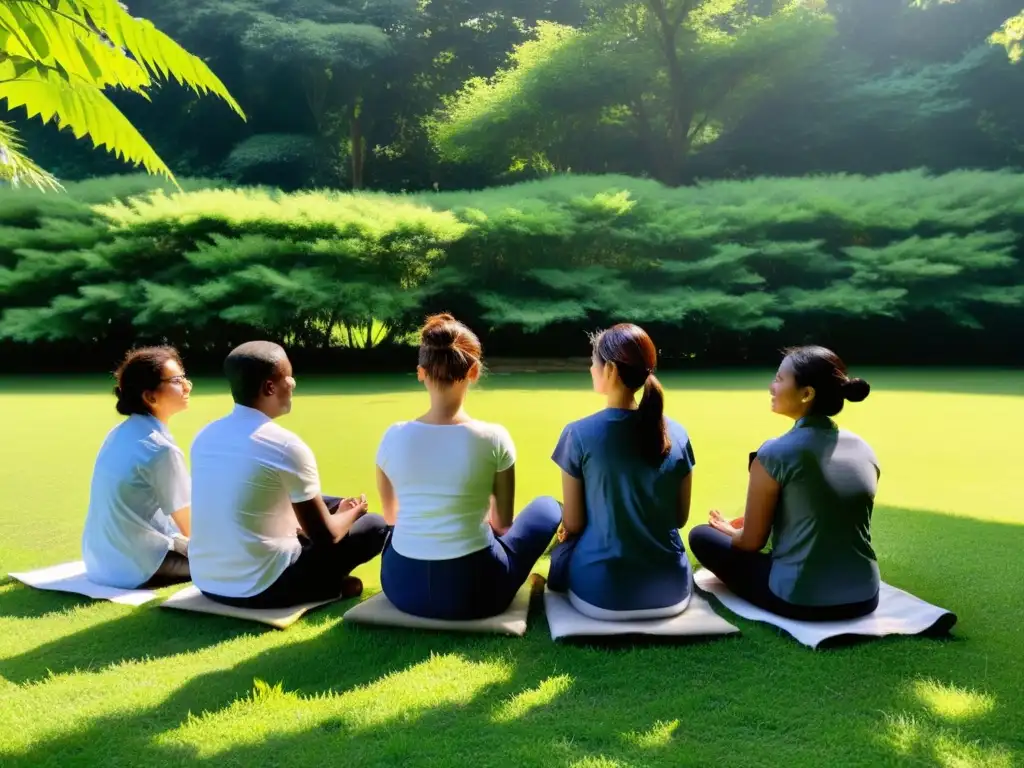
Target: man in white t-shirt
263	536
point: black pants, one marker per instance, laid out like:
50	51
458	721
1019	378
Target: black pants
321	570
746	576
173	570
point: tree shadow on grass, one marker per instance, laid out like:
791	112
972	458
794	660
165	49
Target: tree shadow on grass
23	602
760	700
142	633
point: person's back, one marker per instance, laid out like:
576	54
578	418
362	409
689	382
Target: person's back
447	486
137	525
264	535
244	530
626	478
443	476
632	505
811	492
128	529
821	542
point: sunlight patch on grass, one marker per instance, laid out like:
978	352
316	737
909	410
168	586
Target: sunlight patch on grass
915	738
523	703
271	712
659	735
598	762
951	702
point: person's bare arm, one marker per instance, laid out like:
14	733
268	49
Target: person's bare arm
574	507
503	500
685	495
183	519
320	526
762	497
388	499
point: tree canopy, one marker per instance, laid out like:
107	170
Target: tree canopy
57	59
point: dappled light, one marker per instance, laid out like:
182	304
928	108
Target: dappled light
523	703
401	697
738	177
916	739
659	736
952	703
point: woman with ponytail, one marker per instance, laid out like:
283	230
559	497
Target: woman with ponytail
812	490
447	485
139	519
627	473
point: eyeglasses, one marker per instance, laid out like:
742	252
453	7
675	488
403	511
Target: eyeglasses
177	380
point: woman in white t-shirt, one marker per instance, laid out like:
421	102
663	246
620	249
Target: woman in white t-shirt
138	523
447	485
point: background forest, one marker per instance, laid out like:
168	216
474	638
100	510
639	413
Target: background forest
736	175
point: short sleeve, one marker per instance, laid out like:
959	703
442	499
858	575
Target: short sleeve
568	453
384	449
504	448
301	477
681	438
774	457
170	480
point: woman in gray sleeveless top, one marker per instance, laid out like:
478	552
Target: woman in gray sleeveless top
812	490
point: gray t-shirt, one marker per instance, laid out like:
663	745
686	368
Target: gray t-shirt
821	537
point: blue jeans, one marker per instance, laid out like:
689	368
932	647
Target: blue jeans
476	585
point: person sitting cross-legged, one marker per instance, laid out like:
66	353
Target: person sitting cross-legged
627	477
263	536
812	490
137	527
447	484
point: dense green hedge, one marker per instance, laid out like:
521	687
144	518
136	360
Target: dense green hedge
713	267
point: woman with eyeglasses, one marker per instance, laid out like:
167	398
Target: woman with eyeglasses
138	523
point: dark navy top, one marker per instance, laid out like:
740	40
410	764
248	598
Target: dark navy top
630	555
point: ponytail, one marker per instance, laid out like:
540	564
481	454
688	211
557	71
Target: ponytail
653	434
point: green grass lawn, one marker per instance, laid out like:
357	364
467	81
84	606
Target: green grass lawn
92	683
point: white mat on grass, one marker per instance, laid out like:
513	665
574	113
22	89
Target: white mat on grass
191	599
696	621
898	613
70	577
378	610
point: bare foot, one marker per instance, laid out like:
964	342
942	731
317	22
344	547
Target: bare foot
351	587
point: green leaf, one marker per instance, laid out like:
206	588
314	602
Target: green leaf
82	108
38	40
90	62
18	169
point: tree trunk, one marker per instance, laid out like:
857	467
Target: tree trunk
369	334
679	140
357	143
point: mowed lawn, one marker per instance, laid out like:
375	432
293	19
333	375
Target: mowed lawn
92	683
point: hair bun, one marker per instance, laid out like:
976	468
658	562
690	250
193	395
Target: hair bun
440	331
856	390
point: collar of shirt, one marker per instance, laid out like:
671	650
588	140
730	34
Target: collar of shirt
815	422
244	411
152	422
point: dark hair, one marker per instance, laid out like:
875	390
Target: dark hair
631	351
822	369
141	371
448	349
248	366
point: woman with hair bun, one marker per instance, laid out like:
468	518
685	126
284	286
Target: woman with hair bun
627	475
813	491
138	523
447	485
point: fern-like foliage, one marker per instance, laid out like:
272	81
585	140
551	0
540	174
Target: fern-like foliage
58	56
